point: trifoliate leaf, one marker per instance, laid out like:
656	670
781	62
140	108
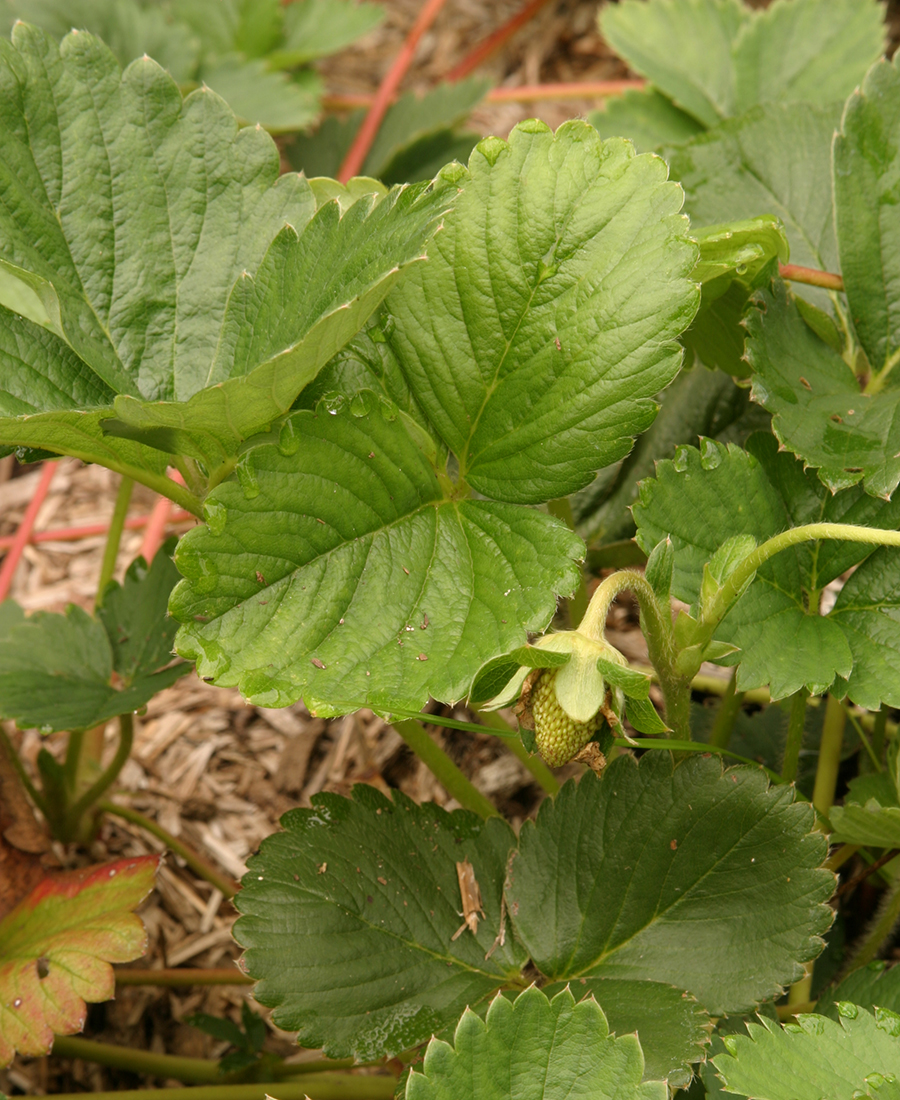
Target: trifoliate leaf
866	162
350	916
814	1057
56	947
820	411
63	672
548	310
161	228
704	498
597	891
334	568
646	117
534	1048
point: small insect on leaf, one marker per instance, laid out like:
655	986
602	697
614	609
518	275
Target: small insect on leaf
470	892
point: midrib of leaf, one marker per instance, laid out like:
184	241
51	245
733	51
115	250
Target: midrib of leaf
658	913
790	216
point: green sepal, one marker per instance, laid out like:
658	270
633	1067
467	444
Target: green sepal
720	567
494	675
660	568
643	715
636	685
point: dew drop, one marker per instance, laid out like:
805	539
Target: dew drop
680	461
813	1025
875	1081
361	404
710	455
216	514
288	438
888	1021
740	269
847	1010
331	403
246	475
388	410
46	729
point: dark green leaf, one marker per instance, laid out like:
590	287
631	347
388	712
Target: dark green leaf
534	1048
349	918
652	874
819	411
547	311
704	498
218	1027
815	1057
875	985
866	164
334	568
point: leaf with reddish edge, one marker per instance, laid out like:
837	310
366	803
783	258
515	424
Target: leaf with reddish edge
56	947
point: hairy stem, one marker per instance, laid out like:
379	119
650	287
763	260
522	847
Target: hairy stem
533	763
443	769
656	623
107	778
726	716
794	742
829	757
878	933
198	864
114	537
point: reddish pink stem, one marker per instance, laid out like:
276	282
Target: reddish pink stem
493	42
524	93
362	143
21	537
795	273
73	534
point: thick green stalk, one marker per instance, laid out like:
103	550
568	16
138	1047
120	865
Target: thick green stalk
656	623
175	976
794	742
809	532
114	537
194	860
829	757
315	1086
443	769
726	716
33	793
879	932
108	777
533	763
879	729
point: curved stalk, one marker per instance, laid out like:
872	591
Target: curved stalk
114	537
30	789
108	777
443	769
197	863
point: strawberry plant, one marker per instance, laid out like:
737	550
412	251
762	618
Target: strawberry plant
380	403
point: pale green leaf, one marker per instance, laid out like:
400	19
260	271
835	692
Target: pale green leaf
534	1048
813	1058
548	310
646	117
349	915
314	28
656	874
259	96
683	47
703	498
871	986
335	568
872	824
819	411
866	167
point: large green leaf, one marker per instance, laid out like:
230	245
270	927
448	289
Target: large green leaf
548	310
741	170
349	916
63	672
684	47
534	1049
717	58
646	117
149	243
866	193
815	1057
335	568
705	497
819	410
56	947
656	874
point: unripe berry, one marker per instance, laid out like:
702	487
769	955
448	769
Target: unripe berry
558	737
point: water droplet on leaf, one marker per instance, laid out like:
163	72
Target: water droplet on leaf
246	475
847	1010
288	438
216	515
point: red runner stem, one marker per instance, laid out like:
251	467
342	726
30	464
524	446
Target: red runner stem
493	42
23	535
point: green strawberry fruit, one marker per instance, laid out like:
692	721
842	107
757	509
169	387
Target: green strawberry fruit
558	737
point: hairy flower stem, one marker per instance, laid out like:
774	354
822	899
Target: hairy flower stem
829	758
198	864
879	932
726	716
794	736
656	623
443	769
114	537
